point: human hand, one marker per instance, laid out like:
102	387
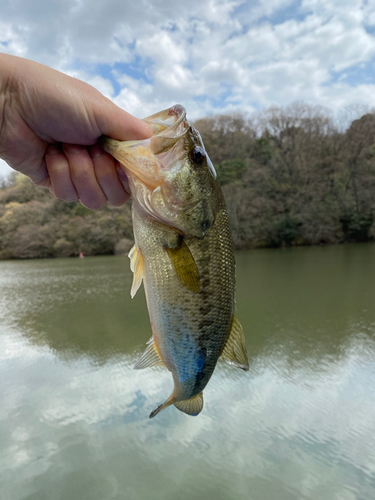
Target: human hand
49	125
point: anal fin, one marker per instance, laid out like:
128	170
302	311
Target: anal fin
192	406
150	357
234	351
137	265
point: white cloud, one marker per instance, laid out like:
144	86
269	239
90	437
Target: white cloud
210	55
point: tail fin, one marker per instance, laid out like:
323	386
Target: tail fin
192	406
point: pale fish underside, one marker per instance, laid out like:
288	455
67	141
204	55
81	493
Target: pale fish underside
183	254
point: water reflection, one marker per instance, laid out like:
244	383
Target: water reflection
74	415
76	307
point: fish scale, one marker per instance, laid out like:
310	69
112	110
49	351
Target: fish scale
206	315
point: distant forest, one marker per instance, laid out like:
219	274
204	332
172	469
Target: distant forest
290	176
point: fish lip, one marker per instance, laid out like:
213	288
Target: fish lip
177	110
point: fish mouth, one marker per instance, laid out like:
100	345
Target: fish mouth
169	121
146	158
169	126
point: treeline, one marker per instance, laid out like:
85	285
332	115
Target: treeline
34	224
290	177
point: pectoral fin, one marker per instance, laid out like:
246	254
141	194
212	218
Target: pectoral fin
185	266
234	351
150	357
138	268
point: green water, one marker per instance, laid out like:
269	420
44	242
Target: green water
299	425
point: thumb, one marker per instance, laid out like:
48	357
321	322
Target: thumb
120	125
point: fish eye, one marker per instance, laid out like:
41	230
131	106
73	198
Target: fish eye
197	155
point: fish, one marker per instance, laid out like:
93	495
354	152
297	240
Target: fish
183	254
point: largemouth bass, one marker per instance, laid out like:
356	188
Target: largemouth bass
183	254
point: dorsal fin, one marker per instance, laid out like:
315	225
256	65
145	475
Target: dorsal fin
137	265
185	266
150	357
234	351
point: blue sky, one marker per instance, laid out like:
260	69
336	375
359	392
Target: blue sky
212	56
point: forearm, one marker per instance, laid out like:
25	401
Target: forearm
8	91
7	69
18	143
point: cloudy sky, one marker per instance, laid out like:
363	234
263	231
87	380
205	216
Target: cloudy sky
212	56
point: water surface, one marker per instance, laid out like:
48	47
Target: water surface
299	425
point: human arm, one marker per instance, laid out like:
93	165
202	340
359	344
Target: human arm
49	125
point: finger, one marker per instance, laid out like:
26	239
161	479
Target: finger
120	125
83	176
61	184
106	175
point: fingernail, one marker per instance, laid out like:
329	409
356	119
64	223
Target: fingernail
121	173
123	179
73	148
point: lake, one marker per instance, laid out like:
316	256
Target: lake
299	425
